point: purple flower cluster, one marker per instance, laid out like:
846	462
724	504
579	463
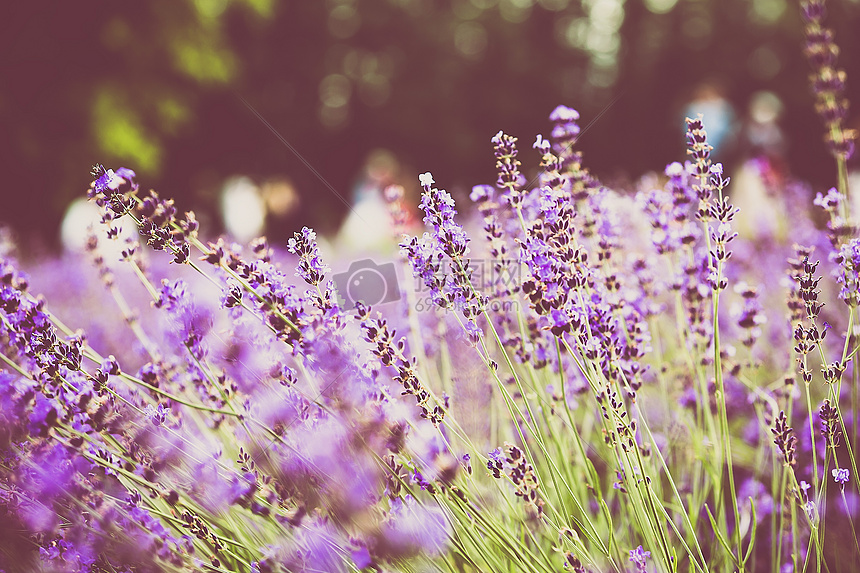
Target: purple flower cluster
848	274
311	268
191	324
259	426
639	557
120	471
445	246
390	353
156	218
828	81
512	462
52	408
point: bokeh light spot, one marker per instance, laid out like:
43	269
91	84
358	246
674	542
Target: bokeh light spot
515	11
210	8
483	4
335	90
333	117
576	32
374	90
172	114
764	63
470	39
243	209
554	5
607	14
660	6
198	57
767	11
343	21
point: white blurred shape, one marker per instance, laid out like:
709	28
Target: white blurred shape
243	209
368	225
765	107
761	214
83	218
280	196
854	193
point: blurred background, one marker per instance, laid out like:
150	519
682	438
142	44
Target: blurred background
364	93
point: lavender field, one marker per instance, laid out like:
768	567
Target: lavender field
559	376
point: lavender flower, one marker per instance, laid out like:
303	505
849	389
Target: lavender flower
156	415
828	81
510	179
639	557
513	462
751	316
390	353
311	267
566	128
841	475
830	428
830	201
414	528
297	436
447	241
700	150
156	218
785	439
110	183
848	274
191	323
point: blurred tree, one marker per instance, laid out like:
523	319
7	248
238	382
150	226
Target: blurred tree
159	86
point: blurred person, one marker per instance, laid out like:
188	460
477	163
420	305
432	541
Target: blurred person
281	198
243	209
854	178
368	226
758	184
718	116
854	192
249	210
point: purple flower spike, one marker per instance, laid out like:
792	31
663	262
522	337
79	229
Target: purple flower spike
311	267
112	182
563	113
848	273
566	129
640	557
191	324
841	475
828	81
